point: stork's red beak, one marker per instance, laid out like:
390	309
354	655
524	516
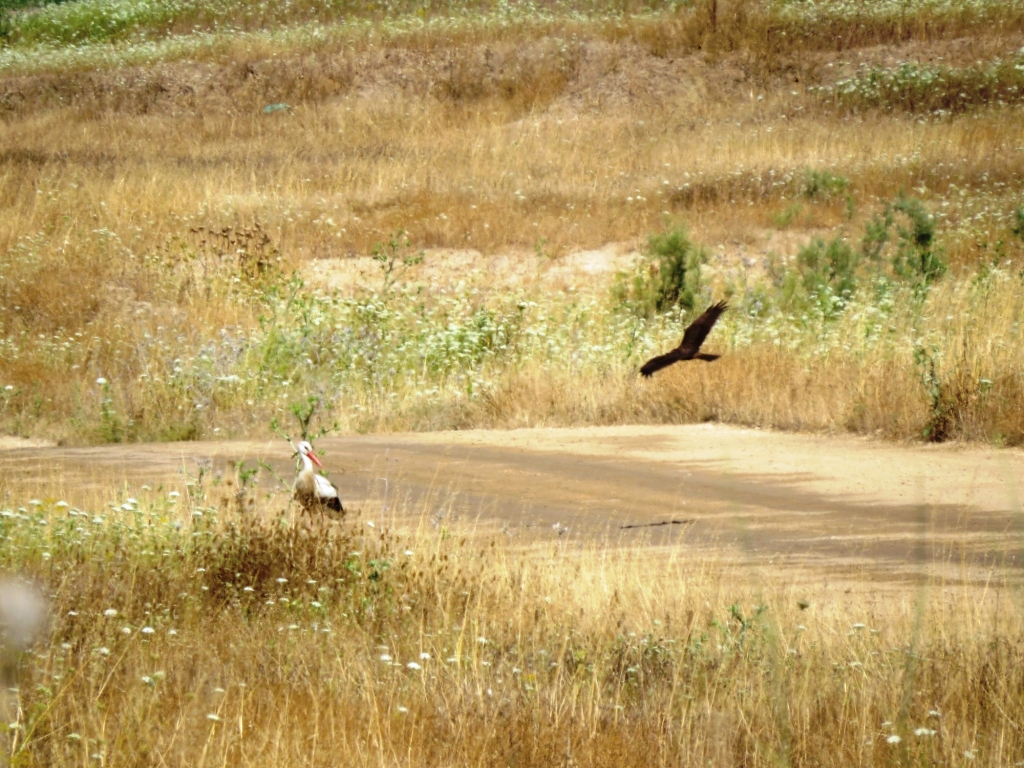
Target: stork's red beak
314	459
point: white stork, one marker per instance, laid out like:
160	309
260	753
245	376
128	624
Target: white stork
312	490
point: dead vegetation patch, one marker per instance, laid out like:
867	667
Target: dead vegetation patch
592	70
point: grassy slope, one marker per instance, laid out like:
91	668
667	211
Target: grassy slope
127	158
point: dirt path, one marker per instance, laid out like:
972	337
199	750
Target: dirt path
876	510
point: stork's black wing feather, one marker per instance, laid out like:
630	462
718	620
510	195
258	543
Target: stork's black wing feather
659	362
699	329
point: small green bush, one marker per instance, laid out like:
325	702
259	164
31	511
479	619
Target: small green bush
832	265
668	276
898	246
678	279
1018	223
823	184
914	254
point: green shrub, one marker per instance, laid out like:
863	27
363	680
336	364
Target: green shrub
823	184
898	245
829	269
1018	223
913	254
668	275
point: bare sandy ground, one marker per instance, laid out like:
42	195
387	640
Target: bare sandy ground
849	506
572	271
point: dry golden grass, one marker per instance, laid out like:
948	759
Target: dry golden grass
208	639
499	138
469	136
451	178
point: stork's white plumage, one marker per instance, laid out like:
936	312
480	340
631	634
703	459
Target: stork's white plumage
314	491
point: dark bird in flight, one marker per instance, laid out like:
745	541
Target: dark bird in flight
693	337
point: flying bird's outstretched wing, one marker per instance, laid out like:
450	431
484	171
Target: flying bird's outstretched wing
689	348
659	362
699	329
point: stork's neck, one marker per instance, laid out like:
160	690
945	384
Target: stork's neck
307	463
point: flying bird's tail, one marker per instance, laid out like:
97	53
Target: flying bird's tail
706	357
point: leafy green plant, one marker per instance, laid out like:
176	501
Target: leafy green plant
952	391
899	243
304	411
667	276
1018	223
111	428
823	184
6	26
246	478
914	254
394	259
787	216
937	428
829	272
